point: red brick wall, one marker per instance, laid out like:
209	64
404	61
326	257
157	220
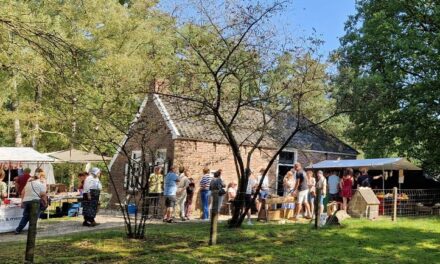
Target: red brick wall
156	136
197	154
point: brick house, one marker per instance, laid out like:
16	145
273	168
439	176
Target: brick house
169	136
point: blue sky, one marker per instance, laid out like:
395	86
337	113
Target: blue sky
326	16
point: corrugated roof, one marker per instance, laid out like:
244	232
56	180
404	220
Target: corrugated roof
373	164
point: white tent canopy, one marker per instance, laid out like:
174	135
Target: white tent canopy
372	164
28	157
76	156
25	155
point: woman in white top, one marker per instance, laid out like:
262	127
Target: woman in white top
92	189
33	193
288	186
311	182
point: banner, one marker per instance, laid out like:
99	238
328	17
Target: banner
10	218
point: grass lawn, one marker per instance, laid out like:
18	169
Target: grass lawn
357	241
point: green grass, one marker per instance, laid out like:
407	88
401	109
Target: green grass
357	241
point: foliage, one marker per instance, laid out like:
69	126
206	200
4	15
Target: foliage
409	240
89	97
245	84
388	76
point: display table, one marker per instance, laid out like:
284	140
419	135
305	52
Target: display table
265	214
10	217
57	199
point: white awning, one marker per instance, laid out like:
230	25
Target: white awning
372	164
25	155
76	156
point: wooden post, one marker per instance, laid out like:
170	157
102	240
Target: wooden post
394	204
32	232
317	205
214	218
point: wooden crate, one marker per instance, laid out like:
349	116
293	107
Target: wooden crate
274	215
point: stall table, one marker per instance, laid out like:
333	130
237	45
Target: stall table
59	198
10	216
265	214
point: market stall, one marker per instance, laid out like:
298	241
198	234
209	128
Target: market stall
14	158
72	156
386	165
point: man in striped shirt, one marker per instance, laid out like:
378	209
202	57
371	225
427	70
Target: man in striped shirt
205	193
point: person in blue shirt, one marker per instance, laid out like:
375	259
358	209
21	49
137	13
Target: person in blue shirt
169	192
333	186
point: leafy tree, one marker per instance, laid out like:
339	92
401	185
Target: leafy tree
243	84
389	77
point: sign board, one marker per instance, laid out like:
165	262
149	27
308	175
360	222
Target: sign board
10	217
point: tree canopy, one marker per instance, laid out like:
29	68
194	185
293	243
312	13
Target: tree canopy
388	79
74	72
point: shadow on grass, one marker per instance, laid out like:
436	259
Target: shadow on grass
187	243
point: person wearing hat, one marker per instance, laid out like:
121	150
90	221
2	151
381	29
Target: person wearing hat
92	189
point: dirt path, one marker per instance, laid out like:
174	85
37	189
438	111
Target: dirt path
56	227
71	225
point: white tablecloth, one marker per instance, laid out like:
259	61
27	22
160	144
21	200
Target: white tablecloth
10	218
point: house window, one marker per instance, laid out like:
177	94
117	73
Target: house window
161	156
133	171
287	157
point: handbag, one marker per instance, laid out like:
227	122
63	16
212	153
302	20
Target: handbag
43	205
222	192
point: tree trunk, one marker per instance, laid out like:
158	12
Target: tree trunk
38	96
17	128
32	233
214	219
17	132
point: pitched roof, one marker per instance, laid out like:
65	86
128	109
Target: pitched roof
368	195
190	121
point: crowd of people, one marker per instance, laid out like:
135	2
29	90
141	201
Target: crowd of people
304	185
33	189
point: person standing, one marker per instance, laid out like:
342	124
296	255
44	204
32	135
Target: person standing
218	185
365	180
205	182
264	191
33	192
346	186
288	189
189	198
155	189
321	185
232	194
3	186
92	190
311	182
81	178
181	192
20	181
333	187
170	189
42	176
301	191
250	192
